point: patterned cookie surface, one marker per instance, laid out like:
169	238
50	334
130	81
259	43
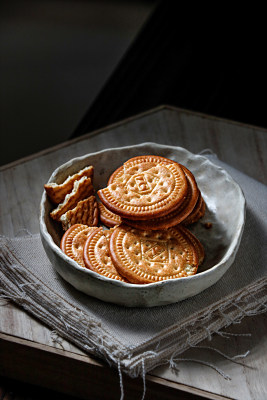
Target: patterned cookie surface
86	212
97	257
57	192
132	162
175	217
151	256
73	240
146	187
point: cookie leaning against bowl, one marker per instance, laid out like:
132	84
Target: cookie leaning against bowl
73	240
176	216
146	187
152	256
96	254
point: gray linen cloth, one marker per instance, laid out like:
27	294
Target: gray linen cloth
138	339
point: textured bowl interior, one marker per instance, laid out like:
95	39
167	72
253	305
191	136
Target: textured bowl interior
220	242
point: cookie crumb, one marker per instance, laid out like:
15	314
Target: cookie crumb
208	225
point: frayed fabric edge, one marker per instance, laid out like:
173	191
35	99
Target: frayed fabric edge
126	361
218	320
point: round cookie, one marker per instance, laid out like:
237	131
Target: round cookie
116	176
146	187
96	254
176	216
107	217
152	256
73	240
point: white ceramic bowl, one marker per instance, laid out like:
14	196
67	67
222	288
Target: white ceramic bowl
225	210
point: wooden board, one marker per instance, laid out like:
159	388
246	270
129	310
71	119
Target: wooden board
28	343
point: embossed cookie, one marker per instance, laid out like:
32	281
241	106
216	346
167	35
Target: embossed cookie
175	217
107	217
152	256
82	188
97	257
73	240
86	212
117	174
57	192
146	187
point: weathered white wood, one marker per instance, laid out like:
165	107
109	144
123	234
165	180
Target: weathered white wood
244	147
247	382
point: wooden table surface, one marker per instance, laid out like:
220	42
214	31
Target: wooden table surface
27	351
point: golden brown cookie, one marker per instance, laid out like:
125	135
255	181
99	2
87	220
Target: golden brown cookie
196	243
97	257
107	217
176	216
57	192
86	212
82	188
152	256
146	187
197	213
116	176
73	240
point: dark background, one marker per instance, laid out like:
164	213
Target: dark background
70	67
55	56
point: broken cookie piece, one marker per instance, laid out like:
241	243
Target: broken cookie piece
86	212
82	189
57	192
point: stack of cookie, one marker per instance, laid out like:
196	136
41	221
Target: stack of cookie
152	192
146	204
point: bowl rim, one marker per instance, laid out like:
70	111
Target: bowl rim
204	274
